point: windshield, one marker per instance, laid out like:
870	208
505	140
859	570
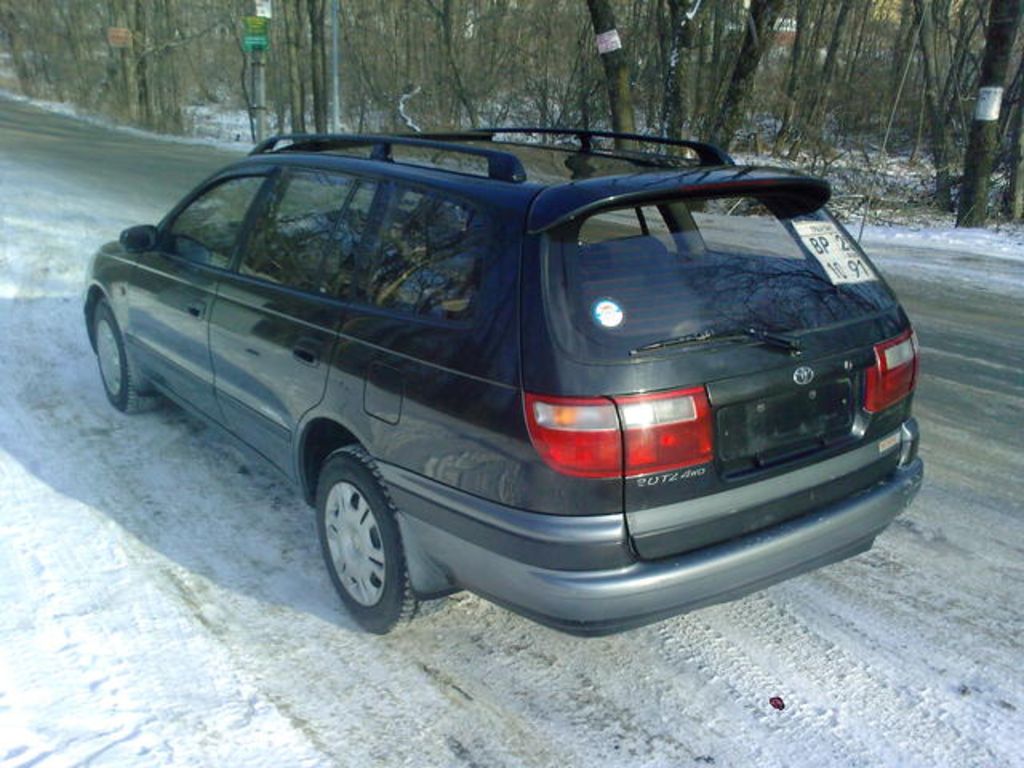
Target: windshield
629	277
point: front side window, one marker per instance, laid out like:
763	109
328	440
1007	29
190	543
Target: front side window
428	256
293	239
207	230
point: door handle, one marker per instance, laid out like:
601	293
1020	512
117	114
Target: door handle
306	355
196	310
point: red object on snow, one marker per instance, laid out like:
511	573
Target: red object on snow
777	702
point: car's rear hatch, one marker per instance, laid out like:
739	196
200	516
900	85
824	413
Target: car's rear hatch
749	316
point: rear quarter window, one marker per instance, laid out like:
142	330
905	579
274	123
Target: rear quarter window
428	256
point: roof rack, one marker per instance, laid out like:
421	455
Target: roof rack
708	154
501	166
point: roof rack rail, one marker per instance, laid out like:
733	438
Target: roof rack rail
501	166
708	154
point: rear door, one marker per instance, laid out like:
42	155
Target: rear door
728	298
174	286
275	320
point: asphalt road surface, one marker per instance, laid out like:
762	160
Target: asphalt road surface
193	575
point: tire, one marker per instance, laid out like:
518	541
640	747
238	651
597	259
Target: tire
361	542
120	380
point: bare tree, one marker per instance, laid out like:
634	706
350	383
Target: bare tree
670	66
941	142
616	66
1004	18
681	30
756	39
1016	201
316	10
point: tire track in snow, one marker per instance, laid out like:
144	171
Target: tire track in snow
854	690
125	487
235	558
91	644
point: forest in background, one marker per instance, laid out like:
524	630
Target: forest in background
806	81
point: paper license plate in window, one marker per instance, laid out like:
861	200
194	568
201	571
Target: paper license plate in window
837	255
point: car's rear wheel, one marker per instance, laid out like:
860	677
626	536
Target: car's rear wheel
361	542
121	382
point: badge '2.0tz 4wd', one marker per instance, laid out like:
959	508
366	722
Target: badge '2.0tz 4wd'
597	387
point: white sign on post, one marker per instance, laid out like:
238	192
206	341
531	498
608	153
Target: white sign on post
264	9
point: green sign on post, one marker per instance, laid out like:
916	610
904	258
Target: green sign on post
257	33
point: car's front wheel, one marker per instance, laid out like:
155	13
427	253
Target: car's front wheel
121	382
361	542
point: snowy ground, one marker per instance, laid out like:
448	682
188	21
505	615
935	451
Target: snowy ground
165	602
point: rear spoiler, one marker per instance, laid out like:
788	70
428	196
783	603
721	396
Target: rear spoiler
556	206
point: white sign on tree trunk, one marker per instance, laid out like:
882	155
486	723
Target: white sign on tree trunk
264	9
990	99
608	41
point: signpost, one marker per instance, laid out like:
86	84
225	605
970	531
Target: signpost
255	41
335	56
257	33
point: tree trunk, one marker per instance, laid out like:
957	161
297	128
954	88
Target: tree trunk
446	22
318	64
1003	20
293	45
904	44
674	106
793	89
937	123
9	26
854	58
756	40
126	17
819	103
616	68
1017	166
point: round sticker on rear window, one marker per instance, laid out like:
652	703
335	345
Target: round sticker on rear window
607	313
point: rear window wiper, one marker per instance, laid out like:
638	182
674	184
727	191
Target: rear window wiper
769	338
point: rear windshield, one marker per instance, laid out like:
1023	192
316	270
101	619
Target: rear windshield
629	277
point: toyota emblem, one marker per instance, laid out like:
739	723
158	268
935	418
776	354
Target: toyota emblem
803	375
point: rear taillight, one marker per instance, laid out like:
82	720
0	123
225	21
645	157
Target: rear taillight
666	430
588	437
576	435
894	374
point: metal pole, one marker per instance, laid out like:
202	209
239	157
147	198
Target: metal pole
335	76
259	87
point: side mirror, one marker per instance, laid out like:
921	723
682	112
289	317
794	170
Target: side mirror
139	239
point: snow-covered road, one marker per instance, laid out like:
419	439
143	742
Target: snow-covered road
164	600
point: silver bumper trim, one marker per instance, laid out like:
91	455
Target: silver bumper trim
598	602
685	514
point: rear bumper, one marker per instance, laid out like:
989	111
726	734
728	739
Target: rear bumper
594	602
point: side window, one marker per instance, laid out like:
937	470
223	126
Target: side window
291	241
339	265
622	223
617	224
206	231
743	226
428	257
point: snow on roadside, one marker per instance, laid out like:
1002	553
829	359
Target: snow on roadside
76	684
158	614
211	127
988	260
